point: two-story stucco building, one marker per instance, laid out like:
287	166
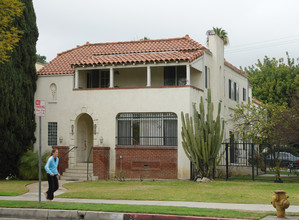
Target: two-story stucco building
119	104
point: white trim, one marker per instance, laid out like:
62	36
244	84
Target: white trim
148	68
188	74
76	79
57	74
111	84
131	66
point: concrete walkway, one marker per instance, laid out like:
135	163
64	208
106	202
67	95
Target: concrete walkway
32	195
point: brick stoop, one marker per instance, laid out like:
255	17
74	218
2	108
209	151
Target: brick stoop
147	162
63	162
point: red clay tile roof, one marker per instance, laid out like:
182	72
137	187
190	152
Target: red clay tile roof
173	49
141	57
235	68
256	101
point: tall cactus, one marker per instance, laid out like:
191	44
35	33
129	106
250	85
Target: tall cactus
202	137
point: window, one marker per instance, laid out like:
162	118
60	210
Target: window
147	129
93	79
105	78
229	88
224	86
174	75
207	77
244	94
237	92
52	133
233	90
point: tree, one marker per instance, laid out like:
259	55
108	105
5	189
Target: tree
202	137
273	80
222	34
287	126
9	33
256	123
40	58
270	124
17	87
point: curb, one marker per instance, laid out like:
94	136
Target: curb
58	214
91	215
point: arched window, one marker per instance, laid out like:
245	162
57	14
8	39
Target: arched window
147	129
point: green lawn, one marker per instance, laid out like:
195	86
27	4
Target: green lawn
13	187
236	190
137	209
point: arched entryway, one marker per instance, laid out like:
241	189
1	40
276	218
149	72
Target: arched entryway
84	138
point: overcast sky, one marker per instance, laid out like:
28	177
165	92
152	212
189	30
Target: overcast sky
255	28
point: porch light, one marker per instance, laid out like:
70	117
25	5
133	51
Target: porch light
101	140
72	129
60	139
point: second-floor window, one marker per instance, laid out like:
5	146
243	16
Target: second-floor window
105	77
97	79
244	94
174	75
233	90
93	79
207	77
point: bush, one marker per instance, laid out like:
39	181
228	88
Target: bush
28	166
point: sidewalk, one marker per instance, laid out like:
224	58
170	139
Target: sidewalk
32	195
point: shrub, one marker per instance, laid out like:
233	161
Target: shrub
28	166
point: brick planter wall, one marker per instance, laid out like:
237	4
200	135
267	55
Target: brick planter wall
147	162
101	162
64	162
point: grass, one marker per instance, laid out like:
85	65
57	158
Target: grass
137	209
236	190
13	187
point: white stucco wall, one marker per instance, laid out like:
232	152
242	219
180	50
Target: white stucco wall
103	105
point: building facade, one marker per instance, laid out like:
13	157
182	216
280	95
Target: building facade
118	105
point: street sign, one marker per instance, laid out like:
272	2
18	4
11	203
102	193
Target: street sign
40	108
40	111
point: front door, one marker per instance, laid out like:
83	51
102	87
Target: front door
84	138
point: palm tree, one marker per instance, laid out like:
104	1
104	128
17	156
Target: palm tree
221	33
145	38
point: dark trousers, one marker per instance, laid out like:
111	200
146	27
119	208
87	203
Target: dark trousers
53	186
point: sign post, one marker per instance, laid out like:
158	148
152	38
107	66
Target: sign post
40	111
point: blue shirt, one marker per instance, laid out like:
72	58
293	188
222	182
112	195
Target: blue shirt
51	165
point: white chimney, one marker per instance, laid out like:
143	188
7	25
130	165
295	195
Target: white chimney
216	46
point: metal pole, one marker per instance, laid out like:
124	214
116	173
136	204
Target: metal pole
40	160
226	160
252	156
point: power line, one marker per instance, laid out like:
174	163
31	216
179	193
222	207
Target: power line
263	44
